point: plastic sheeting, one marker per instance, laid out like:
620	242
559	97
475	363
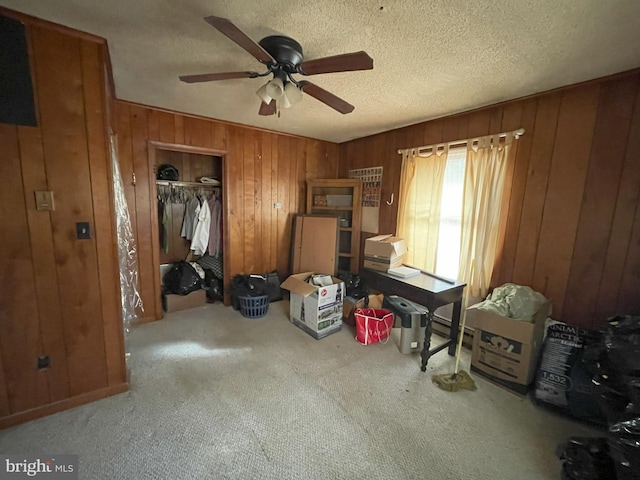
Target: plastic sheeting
127	251
514	301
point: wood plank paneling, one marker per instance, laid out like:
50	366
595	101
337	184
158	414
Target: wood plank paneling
59	61
553	238
602	181
61	297
516	177
266	202
19	320
542	141
249	196
41	239
622	267
569	164
103	209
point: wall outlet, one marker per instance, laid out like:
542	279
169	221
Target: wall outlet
277	205
44	362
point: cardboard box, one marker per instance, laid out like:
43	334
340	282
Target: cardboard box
316	310
385	247
315	244
350	305
320	200
339	200
382	264
183	302
506	350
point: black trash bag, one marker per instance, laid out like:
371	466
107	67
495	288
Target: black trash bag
622	344
617	382
273	286
585	459
355	287
565	372
246	285
182	279
213	285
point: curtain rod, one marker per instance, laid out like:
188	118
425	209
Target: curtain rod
516	133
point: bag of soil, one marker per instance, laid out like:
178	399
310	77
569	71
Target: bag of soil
564	379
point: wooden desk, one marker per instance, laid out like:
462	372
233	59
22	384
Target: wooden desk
429	291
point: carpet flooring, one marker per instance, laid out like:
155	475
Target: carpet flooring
217	396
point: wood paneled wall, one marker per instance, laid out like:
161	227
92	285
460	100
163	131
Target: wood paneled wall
260	169
59	295
572	226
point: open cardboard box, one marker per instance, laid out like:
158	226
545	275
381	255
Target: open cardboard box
350	305
385	247
506	350
316	310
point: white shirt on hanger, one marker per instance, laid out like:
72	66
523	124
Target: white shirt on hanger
200	241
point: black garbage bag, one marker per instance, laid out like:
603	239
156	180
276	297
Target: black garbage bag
585	459
246	285
617	382
213	285
355	287
182	279
616	387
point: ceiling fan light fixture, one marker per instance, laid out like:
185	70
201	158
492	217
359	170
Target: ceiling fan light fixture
262	93
275	88
284	101
293	93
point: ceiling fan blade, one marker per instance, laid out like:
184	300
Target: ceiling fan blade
346	62
227	28
269	109
325	97
210	77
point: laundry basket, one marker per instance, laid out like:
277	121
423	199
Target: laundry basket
254	307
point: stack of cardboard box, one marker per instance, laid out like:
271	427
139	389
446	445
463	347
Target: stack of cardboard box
384	252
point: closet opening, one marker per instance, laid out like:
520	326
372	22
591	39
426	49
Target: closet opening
176	235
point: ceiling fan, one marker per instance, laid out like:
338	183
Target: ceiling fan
283	58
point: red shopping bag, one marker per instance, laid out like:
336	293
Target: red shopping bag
373	325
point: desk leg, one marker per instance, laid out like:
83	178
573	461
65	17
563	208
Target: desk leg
455	327
425	354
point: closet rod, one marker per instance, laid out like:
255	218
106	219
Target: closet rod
516	133
178	183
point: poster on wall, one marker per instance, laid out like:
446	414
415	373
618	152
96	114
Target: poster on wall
371	191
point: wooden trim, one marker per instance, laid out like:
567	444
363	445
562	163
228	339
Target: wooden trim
25	18
210	119
586	83
177	147
51	408
153	147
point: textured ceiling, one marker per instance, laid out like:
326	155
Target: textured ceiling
431	58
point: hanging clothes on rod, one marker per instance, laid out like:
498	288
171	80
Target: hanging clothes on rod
197	225
215	232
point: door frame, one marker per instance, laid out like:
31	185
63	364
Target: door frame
153	147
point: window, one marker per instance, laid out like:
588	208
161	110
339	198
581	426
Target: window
450	227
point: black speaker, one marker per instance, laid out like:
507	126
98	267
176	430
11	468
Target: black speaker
16	92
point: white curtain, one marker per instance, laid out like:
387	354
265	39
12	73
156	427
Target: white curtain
421	182
485	173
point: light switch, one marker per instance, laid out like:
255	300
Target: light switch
82	231
44	200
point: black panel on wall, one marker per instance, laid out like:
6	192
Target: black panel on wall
16	92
